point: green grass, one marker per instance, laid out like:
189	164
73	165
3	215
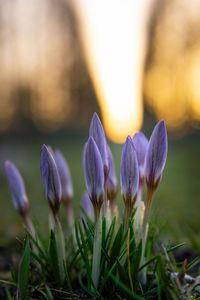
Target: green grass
176	202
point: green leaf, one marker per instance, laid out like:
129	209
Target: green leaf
175	247
37	245
23	274
88	291
89	222
103	232
9	282
88	235
77	253
110	233
107	274
106	241
116	247
48	293
122	273
136	257
8	295
159	287
12	274
125	289
37	258
67	278
54	266
88	268
193	263
148	262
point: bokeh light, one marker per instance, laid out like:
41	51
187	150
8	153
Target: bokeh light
114	39
138	54
171	82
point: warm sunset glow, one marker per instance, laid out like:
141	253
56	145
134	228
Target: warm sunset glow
193	77
172	79
113	36
131	48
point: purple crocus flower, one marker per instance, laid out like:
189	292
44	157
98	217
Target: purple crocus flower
94	174
156	155
154	164
51	180
18	193
17	188
97	132
111	182
129	175
140	143
65	176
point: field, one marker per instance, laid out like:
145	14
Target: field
176	203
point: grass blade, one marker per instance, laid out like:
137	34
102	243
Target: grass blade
23	275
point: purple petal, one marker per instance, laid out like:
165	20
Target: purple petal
16	187
156	154
93	170
51	150
50	176
140	143
65	176
112	179
97	132
129	172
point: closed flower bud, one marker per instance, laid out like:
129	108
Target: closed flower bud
140	143
94	174
17	188
97	132
129	174
156	155
51	180
65	176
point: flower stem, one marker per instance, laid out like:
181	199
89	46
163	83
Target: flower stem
97	251
60	243
150	193
29	224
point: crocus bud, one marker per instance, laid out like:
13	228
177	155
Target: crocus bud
154	164
140	143
18	194
156	155
17	188
94	174
129	175
97	132
65	177
66	185
87	205
51	180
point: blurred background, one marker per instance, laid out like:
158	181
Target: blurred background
133	62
